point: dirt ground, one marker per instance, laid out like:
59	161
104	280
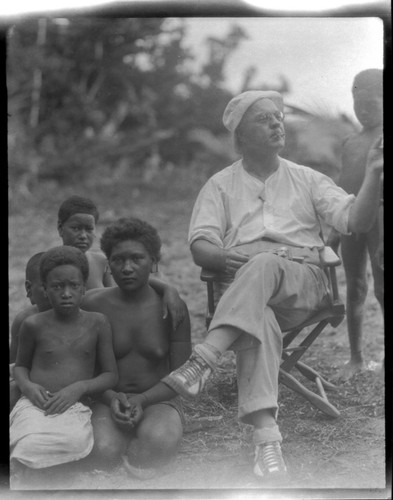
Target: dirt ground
324	455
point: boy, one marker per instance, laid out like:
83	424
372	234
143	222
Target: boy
55	368
77	219
39	303
138	419
356	248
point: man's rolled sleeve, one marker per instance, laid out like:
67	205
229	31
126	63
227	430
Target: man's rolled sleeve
208	219
332	203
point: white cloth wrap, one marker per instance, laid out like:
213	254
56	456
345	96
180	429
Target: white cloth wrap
38	440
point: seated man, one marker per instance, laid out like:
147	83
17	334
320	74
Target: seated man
64	354
77	219
242	218
136	420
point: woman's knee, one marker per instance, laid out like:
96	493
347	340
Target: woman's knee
162	439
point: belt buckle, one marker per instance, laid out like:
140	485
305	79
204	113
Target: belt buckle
283	252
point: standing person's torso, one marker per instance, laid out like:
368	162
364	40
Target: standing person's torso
354	158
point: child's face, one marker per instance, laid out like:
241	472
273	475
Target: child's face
78	231
64	288
130	264
36	293
368	108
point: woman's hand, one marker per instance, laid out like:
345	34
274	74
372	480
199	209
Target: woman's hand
126	410
61	400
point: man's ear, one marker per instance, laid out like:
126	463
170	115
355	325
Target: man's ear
59	228
28	288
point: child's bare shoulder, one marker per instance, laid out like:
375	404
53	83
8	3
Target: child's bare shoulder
96	296
23	314
38	320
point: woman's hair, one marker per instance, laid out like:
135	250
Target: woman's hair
63	255
131	229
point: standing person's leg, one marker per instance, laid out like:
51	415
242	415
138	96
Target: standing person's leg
378	274
377	270
354	255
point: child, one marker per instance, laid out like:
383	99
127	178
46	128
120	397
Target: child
77	218
146	348
35	293
58	352
357	248
39	303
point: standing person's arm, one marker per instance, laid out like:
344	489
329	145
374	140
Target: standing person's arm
365	207
108	377
27	341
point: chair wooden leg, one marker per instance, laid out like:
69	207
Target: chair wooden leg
319	402
312	374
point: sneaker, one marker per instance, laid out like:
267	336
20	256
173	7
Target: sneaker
189	379
268	462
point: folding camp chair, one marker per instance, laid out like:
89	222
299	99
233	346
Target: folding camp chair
333	314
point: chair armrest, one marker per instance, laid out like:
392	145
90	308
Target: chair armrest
329	257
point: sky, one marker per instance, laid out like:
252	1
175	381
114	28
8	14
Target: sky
319	55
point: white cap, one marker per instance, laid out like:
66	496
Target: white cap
238	105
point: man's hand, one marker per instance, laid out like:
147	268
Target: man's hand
61	400
37	394
173	305
234	261
333	240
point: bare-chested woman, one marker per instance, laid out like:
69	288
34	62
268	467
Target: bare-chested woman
138	420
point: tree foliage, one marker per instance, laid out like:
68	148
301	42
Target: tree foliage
88	92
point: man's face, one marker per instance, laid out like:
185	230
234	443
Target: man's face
130	264
368	107
262	128
78	231
65	288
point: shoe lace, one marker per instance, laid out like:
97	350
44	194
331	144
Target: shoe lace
271	456
194	368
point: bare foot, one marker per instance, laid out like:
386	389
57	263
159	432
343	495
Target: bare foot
350	369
